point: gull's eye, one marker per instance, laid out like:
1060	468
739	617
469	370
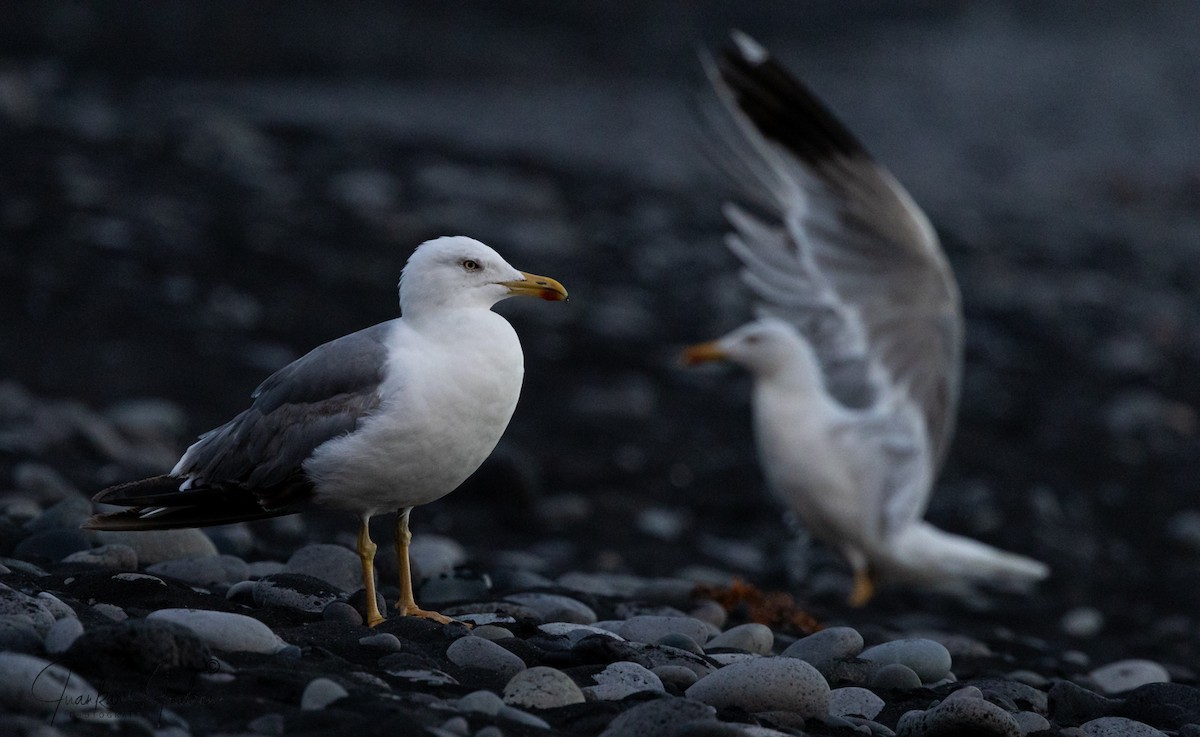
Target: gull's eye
752	339
470	264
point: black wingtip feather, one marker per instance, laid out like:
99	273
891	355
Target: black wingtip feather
783	109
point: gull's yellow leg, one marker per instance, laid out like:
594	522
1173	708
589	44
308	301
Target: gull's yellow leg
366	553
407	606
864	586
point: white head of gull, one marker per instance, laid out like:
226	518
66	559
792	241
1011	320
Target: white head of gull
857	351
387	418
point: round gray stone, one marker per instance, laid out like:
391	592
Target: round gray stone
385	641
826	645
766	684
651	628
294	591
676	675
63	634
320	693
1119	727
492	632
622	679
680	641
33	685
854	701
481	702
340	611
541	687
67	514
959	715
224	630
337	566
18	635
156	546
1124	675
930	660
1030	721
751	637
434	555
16	603
148	645
556	607
52	545
477	652
204	571
660	717
120	557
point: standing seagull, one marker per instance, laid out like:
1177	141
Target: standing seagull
856	354
389	417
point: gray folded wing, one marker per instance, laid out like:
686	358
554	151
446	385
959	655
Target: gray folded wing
852	261
323	394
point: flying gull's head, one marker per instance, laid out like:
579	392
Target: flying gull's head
456	271
763	347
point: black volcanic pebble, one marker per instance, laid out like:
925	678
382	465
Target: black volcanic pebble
602	650
52	545
1071	704
1163	705
144	644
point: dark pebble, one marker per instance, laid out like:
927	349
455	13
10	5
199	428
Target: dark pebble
52	545
1163	705
1069	703
144	644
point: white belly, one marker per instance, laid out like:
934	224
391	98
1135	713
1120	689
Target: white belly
444	409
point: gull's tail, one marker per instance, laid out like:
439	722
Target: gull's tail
925	554
158	504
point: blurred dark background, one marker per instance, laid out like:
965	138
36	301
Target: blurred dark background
192	194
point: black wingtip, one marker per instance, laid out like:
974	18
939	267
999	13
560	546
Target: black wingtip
781	107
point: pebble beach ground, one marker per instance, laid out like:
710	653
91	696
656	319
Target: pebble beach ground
176	226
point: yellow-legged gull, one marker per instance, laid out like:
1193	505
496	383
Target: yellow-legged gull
386	418
857	350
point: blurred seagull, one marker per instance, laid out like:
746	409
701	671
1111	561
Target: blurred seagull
856	354
387	418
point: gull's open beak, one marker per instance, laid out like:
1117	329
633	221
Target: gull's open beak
703	353
536	286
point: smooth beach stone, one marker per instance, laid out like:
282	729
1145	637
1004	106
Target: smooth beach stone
854	701
660	718
1070	703
826	645
1165	705
52	545
337	566
1124	675
385	641
67	514
36	686
263	568
224	630
650	628
480	702
156	546
575	632
930	660
1119	727
675	675
751	637
294	591
477	652
36	612
320	693
455	586
766	684
18	635
958	715
62	635
492	632
513	714
147	645
58	608
556	607
121	557
658	655
622	679
710	611
1029	721
339	611
681	641
112	611
723	659
894	676
542	687
434	555
205	571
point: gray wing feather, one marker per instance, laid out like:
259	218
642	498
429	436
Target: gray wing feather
323	394
856	265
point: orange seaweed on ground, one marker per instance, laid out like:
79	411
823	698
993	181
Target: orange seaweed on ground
776	609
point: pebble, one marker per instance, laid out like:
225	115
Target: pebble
18	635
62	635
111	611
33	685
455	586
542	687
263	568
477	652
1119	727
658	655
1084	622
156	546
481	702
575	632
120	557
58	609
709	611
148	645
751	637
1124	675
854	701
204	571
385	641
224	630
894	676
962	712
826	645
930	660
556	607
337	566
492	632
650	628
53	545
1165	705
235	539
1028	721
321	692
660	717
622	679
766	684
294	591
67	514
676	675
681	641
34	611
434	555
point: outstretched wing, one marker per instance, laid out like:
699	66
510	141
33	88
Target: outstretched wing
851	260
